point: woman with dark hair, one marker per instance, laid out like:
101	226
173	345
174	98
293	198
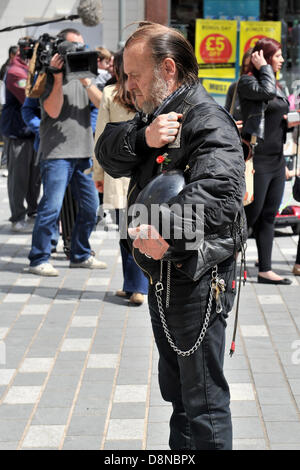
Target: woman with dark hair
117	106
264	107
232	99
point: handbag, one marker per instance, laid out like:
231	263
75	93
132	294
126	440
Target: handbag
248	150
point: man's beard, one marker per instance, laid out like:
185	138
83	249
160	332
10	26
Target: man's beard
158	92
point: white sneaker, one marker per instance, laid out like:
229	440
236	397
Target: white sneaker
20	226
90	263
44	269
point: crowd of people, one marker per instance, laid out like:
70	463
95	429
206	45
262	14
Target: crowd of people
147	116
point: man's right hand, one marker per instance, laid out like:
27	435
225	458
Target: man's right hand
57	62
163	130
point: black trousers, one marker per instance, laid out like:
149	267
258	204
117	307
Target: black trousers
195	385
298	252
24	180
268	192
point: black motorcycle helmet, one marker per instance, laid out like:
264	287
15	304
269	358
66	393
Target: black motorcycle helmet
162	188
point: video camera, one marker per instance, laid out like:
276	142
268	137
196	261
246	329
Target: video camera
79	63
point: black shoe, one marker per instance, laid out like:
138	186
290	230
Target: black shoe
283	282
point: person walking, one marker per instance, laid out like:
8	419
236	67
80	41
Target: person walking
264	108
23	181
180	127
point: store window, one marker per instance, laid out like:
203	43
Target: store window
183	16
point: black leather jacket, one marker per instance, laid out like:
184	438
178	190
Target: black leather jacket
209	151
254	93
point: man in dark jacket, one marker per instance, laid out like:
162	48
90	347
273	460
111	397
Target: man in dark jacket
23	172
191	290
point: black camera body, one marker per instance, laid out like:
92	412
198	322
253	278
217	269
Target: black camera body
26	47
78	62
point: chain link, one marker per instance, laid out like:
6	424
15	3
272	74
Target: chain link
158	289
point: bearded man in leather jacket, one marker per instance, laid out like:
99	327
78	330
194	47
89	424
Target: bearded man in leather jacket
180	123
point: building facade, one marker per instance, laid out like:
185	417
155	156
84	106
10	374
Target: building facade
181	14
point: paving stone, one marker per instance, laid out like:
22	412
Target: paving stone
40	364
273	396
241	391
128	410
86	425
123	445
82	443
280	412
22	395
249	444
43	436
78	344
130	393
100	361
247	428
283	432
125	429
11	430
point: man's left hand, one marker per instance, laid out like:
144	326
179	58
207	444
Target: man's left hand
148	241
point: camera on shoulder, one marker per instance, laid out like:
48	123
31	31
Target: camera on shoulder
78	63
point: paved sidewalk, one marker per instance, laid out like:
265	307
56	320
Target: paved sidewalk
79	366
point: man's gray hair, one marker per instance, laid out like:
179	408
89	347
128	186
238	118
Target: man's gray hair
166	42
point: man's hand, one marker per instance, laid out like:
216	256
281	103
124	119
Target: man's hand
163	130
148	241
86	82
57	62
239	125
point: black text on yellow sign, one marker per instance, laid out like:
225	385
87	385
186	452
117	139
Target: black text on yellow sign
215	48
252	31
216	87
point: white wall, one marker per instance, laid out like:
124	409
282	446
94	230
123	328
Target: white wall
135	11
15	12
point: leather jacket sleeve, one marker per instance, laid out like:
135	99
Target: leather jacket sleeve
215	177
115	150
253	94
262	88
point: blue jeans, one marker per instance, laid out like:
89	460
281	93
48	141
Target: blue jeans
56	175
134	278
195	384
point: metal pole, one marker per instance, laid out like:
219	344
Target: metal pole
121	42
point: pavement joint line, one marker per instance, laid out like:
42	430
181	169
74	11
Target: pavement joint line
77	391
43	387
258	405
110	405
278	355
147	407
17	370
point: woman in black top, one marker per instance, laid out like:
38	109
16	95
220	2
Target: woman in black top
264	107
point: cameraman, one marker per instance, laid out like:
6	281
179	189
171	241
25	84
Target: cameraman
23	181
65	151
